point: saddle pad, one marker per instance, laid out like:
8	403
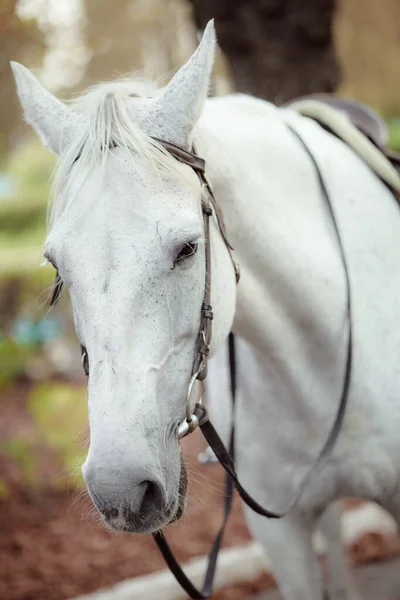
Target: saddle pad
343	128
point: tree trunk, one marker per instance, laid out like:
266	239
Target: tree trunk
277	49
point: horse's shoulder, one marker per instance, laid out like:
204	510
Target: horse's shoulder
241	105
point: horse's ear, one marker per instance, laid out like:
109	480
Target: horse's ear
182	101
47	115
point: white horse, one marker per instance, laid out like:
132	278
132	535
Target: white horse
126	234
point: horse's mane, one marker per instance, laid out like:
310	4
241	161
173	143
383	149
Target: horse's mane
105	122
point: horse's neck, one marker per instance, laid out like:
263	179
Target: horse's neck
292	287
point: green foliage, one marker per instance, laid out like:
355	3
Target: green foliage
21	257
22	451
60	414
394	131
12	360
22	235
23	222
59	417
24	211
4	491
31	165
22	216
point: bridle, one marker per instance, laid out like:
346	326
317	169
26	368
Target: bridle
208	206
199	416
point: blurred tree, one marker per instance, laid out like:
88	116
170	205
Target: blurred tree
133	35
22	41
110	34
368	44
277	49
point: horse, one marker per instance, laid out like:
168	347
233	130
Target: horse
126	233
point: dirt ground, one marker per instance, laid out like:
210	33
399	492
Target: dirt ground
53	546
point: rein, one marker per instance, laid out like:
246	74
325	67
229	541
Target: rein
199	417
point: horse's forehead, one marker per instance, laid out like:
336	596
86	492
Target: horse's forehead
130	185
133	224
131	239
122	212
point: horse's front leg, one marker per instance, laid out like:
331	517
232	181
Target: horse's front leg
289	547
340	583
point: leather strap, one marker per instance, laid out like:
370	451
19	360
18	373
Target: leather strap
174	566
208	204
191	159
188	158
206	317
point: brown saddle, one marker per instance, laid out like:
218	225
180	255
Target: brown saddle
365	118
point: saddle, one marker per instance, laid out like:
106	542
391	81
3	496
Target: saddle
362	117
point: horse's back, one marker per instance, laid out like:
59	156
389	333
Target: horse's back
368	218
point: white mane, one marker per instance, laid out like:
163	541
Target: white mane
106	121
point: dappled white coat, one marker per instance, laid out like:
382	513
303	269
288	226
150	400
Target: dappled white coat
291	301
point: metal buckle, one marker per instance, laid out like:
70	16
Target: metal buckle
201	367
190	423
187	426
199	399
206	344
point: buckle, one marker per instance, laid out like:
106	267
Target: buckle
206	311
187	426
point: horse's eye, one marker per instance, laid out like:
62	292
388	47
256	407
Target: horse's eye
189	249
51	261
85	361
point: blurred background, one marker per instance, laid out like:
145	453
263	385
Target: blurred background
51	545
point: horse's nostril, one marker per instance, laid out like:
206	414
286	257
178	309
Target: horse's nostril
110	513
128	498
153	497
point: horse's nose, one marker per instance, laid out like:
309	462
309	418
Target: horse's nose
131	499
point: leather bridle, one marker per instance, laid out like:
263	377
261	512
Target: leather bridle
198	417
208	206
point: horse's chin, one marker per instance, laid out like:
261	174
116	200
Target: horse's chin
182	494
136	526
